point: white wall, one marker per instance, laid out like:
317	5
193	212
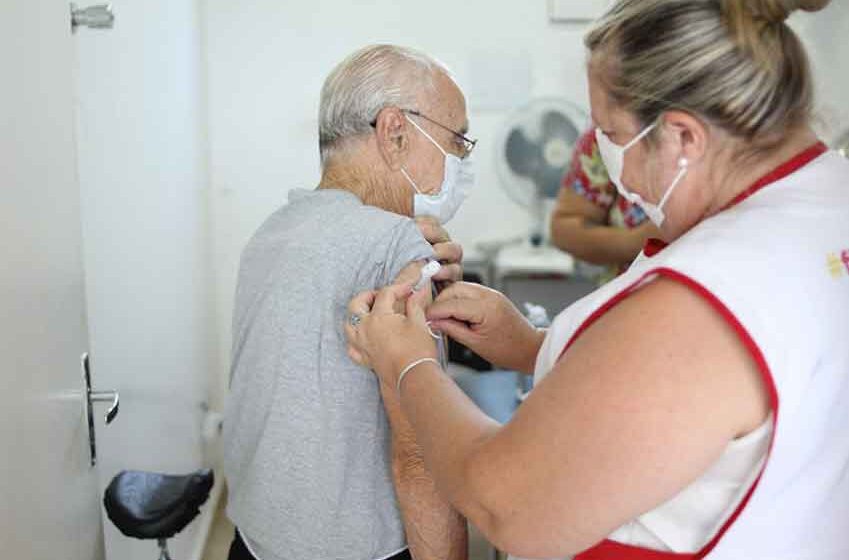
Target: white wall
267	60
826	36
143	178
266	63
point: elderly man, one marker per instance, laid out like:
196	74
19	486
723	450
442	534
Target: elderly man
313	469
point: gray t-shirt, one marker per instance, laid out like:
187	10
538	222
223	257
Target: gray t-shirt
306	439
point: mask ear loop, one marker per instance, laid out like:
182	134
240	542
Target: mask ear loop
410	180
639	136
434	142
428	136
683	165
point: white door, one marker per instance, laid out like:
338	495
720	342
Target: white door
49	496
142	173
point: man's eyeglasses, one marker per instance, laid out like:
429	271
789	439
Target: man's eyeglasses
466	144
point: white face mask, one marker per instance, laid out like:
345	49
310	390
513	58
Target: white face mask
457	180
613	157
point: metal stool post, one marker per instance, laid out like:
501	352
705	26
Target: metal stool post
163	549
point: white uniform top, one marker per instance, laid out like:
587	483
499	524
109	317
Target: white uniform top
776	267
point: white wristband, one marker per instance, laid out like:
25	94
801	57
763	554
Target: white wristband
410	366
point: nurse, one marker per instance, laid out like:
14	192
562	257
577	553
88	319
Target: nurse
697	404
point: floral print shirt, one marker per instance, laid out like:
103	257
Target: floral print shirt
588	177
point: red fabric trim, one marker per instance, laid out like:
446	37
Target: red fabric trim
780	172
611	550
607	306
738	327
654	246
764	370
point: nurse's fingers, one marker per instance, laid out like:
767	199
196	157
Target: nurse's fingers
458	330
432	230
463	290
448	252
358	307
386	298
362	303
416	304
449	273
461	301
357	356
458	312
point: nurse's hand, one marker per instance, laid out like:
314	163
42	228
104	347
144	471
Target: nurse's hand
384	340
448	253
488	323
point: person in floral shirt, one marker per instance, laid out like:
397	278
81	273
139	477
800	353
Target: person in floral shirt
591	221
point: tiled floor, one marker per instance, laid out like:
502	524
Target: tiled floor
221	535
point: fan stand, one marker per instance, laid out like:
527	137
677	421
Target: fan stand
539	222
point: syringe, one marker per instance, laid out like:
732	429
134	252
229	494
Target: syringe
428	271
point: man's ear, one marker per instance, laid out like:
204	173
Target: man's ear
689	133
392	133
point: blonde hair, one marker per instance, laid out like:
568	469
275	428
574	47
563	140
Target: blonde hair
734	63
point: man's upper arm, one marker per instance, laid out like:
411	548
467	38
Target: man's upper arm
404	246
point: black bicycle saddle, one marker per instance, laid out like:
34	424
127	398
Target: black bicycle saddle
148	505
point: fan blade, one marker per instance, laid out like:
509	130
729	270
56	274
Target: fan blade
548	180
557	124
523	157
558	139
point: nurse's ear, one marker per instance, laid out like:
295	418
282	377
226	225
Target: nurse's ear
392	135
688	135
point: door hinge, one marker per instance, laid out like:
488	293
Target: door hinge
99	16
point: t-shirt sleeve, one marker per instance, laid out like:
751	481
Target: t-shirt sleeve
405	244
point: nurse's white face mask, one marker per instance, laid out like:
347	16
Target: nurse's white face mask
457	180
613	157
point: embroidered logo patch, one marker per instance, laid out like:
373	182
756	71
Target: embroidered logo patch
838	266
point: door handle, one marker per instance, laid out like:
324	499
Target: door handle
92	397
107	396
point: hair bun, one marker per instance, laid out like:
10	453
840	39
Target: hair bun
776	11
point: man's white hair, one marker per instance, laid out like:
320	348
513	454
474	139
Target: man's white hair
368	80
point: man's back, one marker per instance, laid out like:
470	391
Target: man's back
306	436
